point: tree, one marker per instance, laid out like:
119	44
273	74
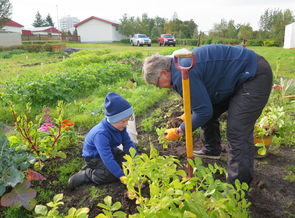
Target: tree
127	26
273	23
245	32
5	11
48	21
38	22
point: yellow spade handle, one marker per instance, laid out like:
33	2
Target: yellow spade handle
188	122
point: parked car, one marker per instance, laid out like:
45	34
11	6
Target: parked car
166	39
140	40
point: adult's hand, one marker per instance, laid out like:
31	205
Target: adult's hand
181	117
171	134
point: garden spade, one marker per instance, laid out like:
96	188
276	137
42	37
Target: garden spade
186	103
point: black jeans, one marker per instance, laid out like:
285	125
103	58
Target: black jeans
96	170
244	107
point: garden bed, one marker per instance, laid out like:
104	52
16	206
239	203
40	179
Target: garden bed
270	194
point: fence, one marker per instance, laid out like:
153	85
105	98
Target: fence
49	38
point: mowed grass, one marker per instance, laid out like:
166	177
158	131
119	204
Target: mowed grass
281	60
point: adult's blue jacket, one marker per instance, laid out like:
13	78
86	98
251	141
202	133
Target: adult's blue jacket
219	70
100	142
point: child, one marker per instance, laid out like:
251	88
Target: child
100	150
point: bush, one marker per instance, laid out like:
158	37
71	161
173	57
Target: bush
8	54
271	43
126	41
29	47
255	42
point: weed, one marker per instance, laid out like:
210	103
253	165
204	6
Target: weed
96	193
291	173
44	195
13	212
69	168
149	124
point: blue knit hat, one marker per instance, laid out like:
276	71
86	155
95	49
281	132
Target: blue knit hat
117	108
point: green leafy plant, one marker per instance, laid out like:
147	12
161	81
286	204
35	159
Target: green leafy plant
42	211
149	124
110	209
270	121
40	137
13	163
262	149
291	173
171	193
161	137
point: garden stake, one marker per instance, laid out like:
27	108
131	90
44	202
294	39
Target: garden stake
187	104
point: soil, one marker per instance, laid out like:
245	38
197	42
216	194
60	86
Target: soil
270	194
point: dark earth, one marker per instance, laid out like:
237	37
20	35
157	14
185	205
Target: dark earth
270	194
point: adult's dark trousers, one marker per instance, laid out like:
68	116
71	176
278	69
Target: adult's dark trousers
96	170
243	108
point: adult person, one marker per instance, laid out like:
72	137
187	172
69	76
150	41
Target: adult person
225	78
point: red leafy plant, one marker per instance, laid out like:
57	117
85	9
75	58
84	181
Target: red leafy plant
42	135
22	194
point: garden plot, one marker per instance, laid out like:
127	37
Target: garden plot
271	192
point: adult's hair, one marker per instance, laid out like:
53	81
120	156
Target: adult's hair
152	67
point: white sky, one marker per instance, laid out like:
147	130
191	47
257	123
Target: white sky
204	12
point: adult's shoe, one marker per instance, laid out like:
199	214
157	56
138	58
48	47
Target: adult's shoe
203	154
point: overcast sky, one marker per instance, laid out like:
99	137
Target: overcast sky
204	12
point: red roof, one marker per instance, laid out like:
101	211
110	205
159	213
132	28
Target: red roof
26	32
41	29
96	18
49	30
13	23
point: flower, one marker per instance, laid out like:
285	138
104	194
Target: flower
45	127
277	87
67	124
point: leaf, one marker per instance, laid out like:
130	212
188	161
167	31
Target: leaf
58	197
15	176
108	201
116	206
21	195
132	152
41	209
33	175
262	151
103	206
82	211
72	211
101	215
2	189
119	214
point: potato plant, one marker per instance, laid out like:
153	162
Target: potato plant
172	194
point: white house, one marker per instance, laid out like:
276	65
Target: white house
12	26
94	29
289	41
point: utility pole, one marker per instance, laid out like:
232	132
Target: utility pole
57	17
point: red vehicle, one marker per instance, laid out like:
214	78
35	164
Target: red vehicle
166	39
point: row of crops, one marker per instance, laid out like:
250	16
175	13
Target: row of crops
69	100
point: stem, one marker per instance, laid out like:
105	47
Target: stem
58	135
